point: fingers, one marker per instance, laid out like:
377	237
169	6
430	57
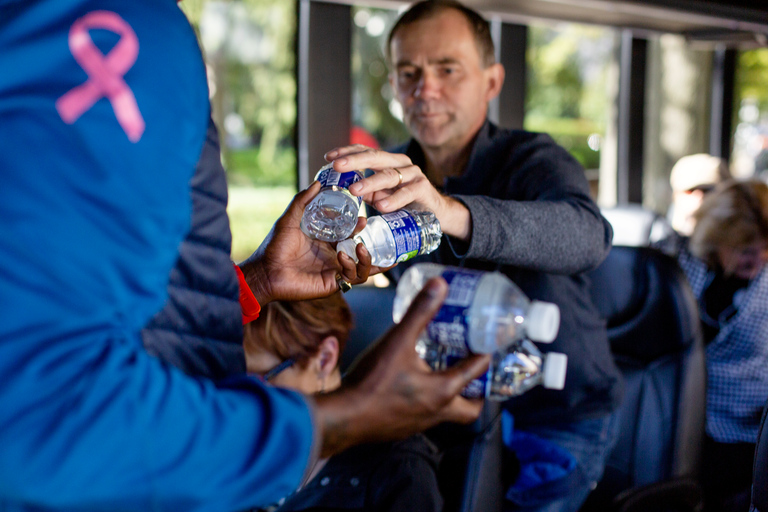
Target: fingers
356	272
301	200
422	310
464	371
344	150
361	223
386	178
351	158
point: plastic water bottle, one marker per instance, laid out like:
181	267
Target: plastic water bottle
484	312
332	215
511	373
395	237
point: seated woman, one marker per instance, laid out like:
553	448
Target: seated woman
724	260
297	345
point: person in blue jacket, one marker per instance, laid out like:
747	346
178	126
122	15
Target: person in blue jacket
103	114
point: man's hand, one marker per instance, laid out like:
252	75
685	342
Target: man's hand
397	183
290	266
391	393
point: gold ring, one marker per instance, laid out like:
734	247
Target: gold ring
344	285
401	177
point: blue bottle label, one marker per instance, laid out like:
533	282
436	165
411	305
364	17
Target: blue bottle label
331	179
450	327
406	233
477	388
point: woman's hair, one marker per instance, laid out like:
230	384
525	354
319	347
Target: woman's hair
735	214
294	329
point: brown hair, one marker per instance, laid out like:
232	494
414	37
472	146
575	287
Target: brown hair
428	9
735	214
294	329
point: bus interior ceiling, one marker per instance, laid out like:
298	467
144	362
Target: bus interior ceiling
631	175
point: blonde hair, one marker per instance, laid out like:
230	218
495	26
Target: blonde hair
735	214
294	329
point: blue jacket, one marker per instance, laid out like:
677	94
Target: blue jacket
200	330
97	149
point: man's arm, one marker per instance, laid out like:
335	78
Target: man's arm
552	225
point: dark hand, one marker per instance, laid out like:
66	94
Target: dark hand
290	266
391	393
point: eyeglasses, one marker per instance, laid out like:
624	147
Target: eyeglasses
271	374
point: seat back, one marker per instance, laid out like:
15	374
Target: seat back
470	471
653	327
760	468
372	315
635	226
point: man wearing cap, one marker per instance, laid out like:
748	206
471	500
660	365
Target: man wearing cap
691	178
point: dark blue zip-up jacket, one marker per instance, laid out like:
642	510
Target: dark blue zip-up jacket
199	329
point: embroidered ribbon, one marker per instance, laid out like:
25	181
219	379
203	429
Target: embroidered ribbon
105	73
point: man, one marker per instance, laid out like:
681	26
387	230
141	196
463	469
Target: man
690	179
104	109
507	200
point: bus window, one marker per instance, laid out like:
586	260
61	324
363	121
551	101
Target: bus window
750	142
249	54
569	91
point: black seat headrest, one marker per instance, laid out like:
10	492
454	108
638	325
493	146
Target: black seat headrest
646	301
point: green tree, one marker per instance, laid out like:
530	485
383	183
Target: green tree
249	52
752	77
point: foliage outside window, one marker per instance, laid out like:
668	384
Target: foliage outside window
249	51
750	144
567	92
374	108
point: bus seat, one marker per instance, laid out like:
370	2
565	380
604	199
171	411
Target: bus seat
760	475
635	226
653	327
372	315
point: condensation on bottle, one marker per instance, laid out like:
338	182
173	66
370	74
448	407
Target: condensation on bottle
484	312
332	215
396	237
511	373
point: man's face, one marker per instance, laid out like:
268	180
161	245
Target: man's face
439	80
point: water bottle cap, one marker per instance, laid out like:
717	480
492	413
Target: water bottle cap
348	247
543	321
555	366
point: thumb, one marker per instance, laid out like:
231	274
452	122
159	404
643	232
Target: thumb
464	371
300	201
423	308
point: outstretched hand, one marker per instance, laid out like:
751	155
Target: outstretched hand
391	392
290	266
397	183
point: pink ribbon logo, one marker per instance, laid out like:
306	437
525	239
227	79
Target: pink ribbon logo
105	73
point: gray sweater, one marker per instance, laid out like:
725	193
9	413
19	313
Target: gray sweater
533	219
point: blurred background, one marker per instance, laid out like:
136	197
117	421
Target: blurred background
571	77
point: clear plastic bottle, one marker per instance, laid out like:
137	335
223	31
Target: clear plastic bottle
332	215
484	312
395	237
511	373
